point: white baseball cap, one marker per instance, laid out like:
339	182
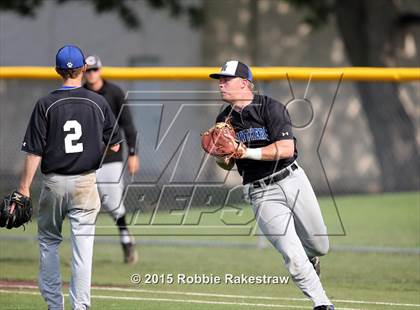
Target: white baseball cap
233	68
93	62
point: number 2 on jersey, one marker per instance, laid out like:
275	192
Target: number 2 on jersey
71	137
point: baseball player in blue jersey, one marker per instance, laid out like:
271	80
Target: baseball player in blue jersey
68	133
281	195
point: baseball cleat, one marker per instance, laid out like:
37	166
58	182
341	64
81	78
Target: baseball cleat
130	253
315	261
326	307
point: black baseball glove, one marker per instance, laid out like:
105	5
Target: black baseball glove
15	210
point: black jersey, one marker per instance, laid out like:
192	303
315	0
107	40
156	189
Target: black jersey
259	124
70	129
115	98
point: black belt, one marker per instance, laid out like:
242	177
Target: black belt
276	178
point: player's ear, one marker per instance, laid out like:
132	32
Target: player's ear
244	84
84	68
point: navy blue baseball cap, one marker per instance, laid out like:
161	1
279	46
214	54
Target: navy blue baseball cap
69	57
233	68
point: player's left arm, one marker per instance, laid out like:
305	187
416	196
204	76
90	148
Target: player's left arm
126	123
111	134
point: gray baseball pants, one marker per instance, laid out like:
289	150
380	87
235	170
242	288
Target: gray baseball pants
110	183
77	198
288	214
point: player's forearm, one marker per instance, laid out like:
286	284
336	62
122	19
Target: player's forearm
130	132
275	151
31	165
131	140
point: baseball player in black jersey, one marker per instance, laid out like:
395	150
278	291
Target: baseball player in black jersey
110	176
278	188
68	132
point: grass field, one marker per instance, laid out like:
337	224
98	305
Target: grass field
354	279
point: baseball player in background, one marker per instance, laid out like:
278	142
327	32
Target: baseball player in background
281	195
110	176
68	133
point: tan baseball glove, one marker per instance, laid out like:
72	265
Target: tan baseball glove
220	141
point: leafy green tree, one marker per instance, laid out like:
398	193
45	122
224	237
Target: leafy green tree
124	8
370	31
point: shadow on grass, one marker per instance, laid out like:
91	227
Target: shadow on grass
18	260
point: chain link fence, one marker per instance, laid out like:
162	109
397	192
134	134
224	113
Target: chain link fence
335	145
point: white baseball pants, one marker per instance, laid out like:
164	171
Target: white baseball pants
77	198
288	214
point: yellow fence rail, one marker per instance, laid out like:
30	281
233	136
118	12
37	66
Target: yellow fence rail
202	73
